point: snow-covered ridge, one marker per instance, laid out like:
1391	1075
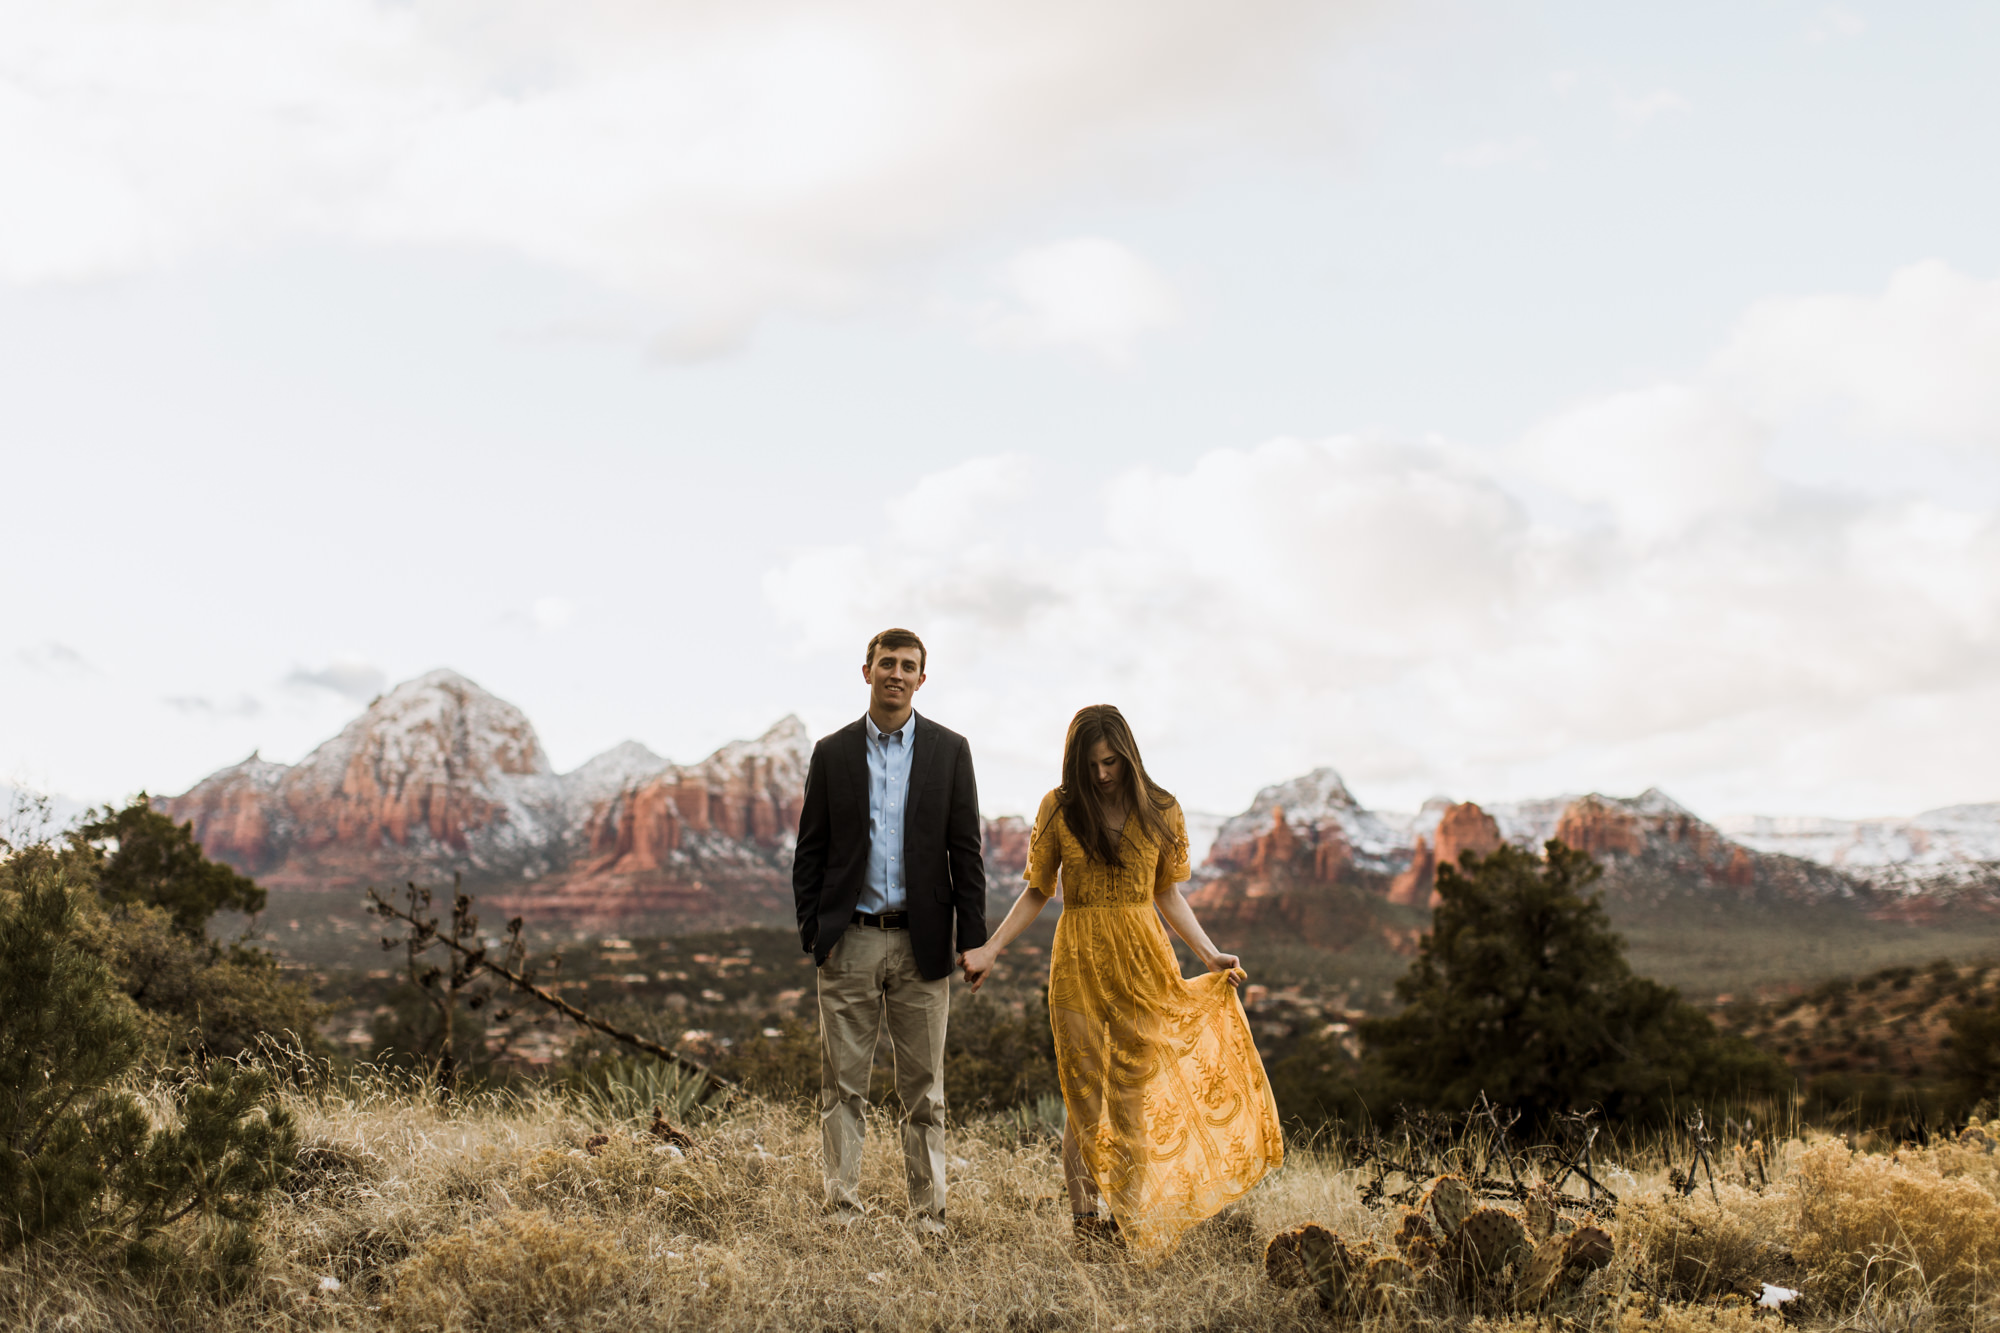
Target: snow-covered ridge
1320	797
440	775
1953	836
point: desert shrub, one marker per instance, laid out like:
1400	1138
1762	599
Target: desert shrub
1875	1101
784	1068
1521	991
203	999
996	1059
143	898
1894	1225
1691	1319
1691	1249
521	1269
1314	1083
145	859
632	1087
66	1036
1972	1059
414	1035
79	1154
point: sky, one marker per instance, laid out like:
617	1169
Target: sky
1488	400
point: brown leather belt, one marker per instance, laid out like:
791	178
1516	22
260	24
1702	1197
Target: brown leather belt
885	921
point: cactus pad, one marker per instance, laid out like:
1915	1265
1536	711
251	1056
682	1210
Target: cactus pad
1544	1271
1542	1212
1301	1257
1416	1241
1448	1202
1488	1241
1586	1248
1311	1256
1560	1261
1391	1283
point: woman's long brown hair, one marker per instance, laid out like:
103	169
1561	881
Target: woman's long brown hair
1082	807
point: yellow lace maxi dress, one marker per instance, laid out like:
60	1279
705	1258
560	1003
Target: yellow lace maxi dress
1159	1074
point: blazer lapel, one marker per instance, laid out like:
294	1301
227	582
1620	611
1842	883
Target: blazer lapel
923	748
857	773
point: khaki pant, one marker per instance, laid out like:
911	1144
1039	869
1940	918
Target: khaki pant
869	980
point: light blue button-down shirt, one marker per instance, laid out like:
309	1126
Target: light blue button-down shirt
888	799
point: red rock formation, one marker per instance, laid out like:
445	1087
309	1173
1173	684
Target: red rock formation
232	814
1331	856
1466	828
1596	826
1412	887
1462	828
1006	853
1276	848
1741	872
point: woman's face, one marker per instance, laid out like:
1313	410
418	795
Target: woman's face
1107	769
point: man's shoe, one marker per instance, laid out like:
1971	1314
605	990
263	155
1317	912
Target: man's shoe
929	1226
844	1217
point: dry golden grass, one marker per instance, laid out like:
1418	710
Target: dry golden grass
1898	1225
492	1216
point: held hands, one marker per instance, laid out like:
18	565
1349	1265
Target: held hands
1230	964
977	963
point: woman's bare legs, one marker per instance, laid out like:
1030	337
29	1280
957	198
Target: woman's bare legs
1083	1195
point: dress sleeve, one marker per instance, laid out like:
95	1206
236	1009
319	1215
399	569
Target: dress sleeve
1045	847
1174	856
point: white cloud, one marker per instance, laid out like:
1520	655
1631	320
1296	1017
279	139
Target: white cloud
349	679
1921	359
1408	612
1660	459
54	658
1087	293
722	159
200	705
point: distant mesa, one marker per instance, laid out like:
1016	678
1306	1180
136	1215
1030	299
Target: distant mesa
438	777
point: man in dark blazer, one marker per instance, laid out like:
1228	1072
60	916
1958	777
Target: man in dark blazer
890	887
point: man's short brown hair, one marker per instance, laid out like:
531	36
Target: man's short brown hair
896	638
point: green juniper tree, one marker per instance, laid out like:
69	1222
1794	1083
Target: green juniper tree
202	998
154	862
1521	991
1972	1058
78	1154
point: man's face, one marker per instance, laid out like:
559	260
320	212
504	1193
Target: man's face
893	678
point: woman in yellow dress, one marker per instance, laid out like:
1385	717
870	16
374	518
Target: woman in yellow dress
1170	1117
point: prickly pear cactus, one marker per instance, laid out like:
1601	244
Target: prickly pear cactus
1541	1212
1448	1202
1588	1248
1561	1261
1302	1256
1311	1256
1544	1271
1416	1241
1486	1242
1391	1285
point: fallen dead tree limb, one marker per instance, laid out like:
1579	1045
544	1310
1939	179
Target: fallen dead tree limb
470	960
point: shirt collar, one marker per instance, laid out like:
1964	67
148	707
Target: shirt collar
876	733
